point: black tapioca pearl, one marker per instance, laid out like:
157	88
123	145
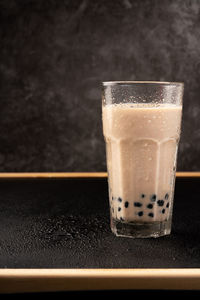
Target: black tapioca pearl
167	205
163	211
126	204
119	208
153	198
151	215
142	195
160	202
112	209
150	206
166	196
121	219
137	204
140	213
119	199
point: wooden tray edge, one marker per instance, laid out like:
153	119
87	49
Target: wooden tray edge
41	280
76	175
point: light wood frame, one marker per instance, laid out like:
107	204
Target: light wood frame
46	280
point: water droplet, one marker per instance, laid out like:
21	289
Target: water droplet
149	121
150	158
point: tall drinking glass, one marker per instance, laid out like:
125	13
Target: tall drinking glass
141	127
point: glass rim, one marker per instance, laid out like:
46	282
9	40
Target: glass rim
112	83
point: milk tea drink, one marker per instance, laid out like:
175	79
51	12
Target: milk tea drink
141	149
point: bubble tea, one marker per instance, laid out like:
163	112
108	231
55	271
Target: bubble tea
141	127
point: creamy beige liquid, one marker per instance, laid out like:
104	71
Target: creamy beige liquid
141	146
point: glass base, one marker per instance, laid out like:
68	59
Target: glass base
141	230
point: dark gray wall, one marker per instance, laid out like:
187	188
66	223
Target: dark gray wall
54	55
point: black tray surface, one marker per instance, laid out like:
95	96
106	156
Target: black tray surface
64	223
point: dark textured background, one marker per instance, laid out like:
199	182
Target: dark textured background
53	57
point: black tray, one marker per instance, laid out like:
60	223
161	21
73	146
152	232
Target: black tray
59	226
